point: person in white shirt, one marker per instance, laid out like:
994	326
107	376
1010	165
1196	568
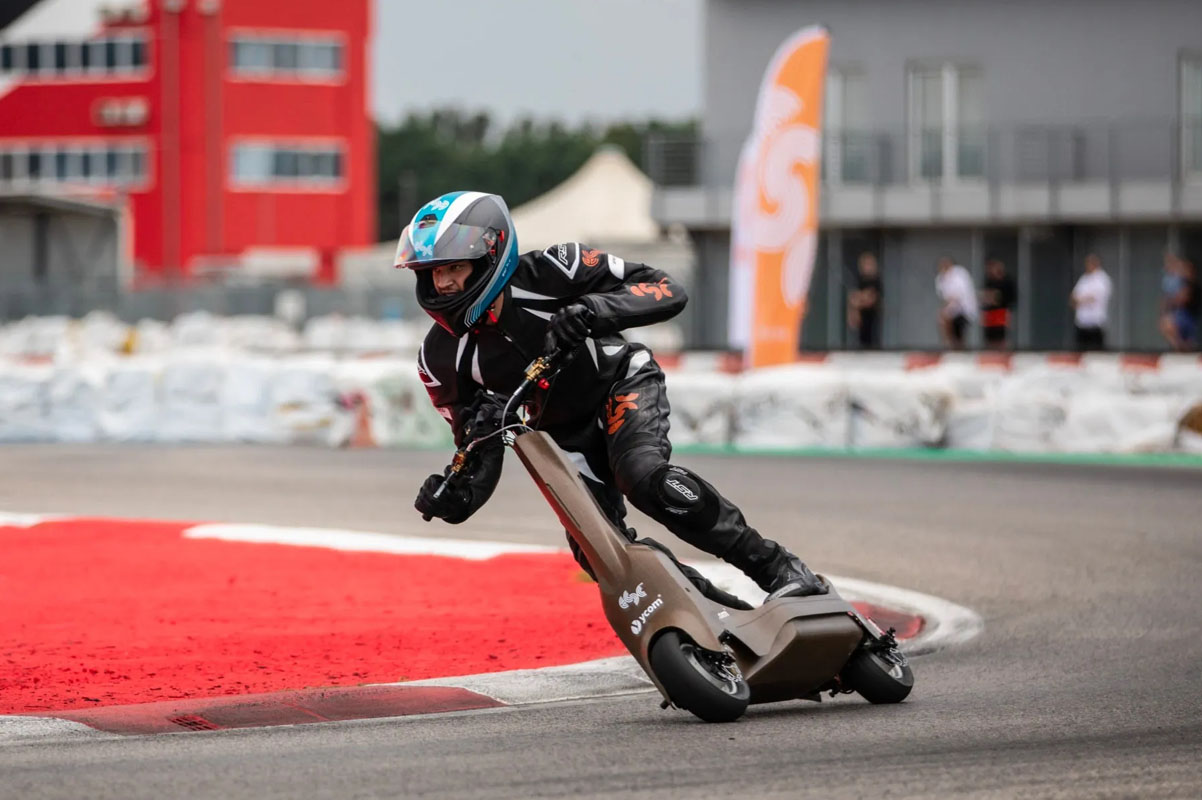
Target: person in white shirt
955	289
1091	303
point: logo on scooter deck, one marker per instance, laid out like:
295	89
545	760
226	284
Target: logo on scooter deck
629	599
636	627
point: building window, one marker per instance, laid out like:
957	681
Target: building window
947	122
280	58
1191	115
283	166
108	164
121	54
848	144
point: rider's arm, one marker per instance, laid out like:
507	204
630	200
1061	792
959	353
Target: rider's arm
622	294
460	403
437	372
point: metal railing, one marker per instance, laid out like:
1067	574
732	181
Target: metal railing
18	300
1083	151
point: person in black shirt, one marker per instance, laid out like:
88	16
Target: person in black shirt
864	304
997	303
1189	313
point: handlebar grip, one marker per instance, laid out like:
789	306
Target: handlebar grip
442	487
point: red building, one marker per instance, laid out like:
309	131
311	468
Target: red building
237	132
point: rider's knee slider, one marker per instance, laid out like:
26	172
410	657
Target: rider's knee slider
680	495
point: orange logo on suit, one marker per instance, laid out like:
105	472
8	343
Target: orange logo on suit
590	257
657	290
616	408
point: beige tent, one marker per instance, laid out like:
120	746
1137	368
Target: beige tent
607	202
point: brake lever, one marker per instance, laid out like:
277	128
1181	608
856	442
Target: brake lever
457	463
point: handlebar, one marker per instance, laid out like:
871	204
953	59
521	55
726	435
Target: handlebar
536	374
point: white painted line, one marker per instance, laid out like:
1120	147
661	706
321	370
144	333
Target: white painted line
363	542
601	678
22	729
12	519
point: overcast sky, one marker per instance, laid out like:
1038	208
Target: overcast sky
574	60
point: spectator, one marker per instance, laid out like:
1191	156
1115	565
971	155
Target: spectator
864	304
1178	290
1189	315
997	301
956	291
1091	303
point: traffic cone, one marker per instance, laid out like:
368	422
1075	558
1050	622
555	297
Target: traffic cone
361	437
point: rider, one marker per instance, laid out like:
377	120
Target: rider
607	409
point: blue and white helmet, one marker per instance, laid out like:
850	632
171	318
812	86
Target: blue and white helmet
460	226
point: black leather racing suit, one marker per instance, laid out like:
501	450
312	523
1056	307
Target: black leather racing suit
607	409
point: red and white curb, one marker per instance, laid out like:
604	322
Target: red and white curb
944	624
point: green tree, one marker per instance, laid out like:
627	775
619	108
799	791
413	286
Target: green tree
428	154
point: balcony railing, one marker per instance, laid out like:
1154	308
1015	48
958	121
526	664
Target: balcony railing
1085	151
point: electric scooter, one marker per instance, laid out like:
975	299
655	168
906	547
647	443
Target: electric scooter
704	657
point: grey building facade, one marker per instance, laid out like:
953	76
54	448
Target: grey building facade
1035	132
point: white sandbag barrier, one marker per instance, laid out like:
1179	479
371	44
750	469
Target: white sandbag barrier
784	408
1033	403
211	379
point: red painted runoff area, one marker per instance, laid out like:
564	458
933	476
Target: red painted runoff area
101	612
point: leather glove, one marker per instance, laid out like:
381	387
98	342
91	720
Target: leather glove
570	326
480	418
454	506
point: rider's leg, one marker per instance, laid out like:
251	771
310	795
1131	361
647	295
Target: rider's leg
595	474
636	420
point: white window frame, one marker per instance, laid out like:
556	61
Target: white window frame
97	47
18	54
20	156
1190	124
949	72
834	124
305	151
301	73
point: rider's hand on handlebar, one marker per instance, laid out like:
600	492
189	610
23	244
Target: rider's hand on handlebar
570	326
482	418
454	506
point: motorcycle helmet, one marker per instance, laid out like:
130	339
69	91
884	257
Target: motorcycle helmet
460	226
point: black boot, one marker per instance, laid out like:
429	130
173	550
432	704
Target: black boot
792	578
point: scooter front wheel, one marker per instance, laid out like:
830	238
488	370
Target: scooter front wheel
704	683
877	677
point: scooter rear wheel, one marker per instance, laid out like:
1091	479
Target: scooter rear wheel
877	678
697	680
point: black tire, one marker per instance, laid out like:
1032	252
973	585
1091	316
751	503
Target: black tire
876	679
692	683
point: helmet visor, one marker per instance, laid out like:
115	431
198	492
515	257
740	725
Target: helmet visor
418	248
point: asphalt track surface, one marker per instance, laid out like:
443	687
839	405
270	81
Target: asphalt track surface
1085	683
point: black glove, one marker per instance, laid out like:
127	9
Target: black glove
480	418
454	506
570	326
